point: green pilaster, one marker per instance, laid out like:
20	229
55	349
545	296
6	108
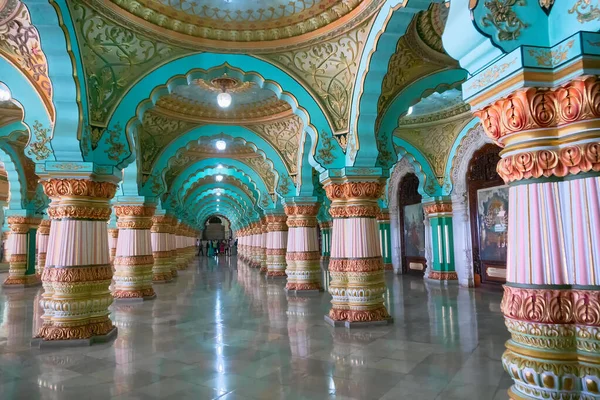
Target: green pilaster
325	240
31	251
442	240
385	239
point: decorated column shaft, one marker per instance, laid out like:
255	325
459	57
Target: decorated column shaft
78	272
180	248
256	243
302	257
113	236
325	240
133	261
263	245
383	220
442	243
42	245
356	265
161	248
277	237
173	246
551	303
22	249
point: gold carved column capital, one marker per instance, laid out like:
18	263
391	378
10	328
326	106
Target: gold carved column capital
134	216
44	228
79	198
546	131
19	224
437	208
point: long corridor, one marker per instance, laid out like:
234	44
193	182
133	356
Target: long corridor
222	331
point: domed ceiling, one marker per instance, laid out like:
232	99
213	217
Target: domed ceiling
238	25
197	101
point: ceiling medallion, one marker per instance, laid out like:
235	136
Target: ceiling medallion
224	83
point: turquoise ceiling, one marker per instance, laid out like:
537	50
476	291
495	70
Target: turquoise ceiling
208	97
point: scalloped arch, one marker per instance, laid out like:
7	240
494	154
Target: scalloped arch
389	26
301	101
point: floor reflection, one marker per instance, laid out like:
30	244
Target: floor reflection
221	330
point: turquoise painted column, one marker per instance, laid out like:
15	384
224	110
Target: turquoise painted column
325	240
439	213
383	220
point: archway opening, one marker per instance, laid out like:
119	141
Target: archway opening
412	226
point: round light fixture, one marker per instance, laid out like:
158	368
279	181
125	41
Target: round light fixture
221	145
219	178
4	93
218	193
218	200
219	166
224	99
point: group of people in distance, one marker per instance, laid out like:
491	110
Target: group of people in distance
210	248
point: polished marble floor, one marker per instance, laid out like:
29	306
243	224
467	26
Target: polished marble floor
222	331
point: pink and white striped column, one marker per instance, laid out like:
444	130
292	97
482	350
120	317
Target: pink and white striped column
18	274
78	272
161	248
302	257
181	260
43	233
277	237
133	260
262	252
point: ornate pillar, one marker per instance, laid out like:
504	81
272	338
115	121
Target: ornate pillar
356	265
442	242
133	260
161	248
277	236
180	248
256	242
325	240
42	245
5	239
302	257
383	220
22	249
263	245
78	272
113	236
173	246
551	303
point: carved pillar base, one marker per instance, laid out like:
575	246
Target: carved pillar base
554	348
134	261
78	272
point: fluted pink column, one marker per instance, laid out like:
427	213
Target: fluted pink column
113	235
78	272
356	265
133	260
18	276
262	252
43	233
173	245
161	249
277	237
302	256
180	247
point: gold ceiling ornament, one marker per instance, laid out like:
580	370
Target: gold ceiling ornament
155	133
224	83
417	55
179	107
264	170
435	141
114	58
200	26
328	70
284	135
20	45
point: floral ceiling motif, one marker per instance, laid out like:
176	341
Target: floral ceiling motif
418	53
20	44
154	134
435	140
328	69
284	135
226	25
114	58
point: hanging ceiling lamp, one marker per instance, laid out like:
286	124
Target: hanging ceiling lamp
221	144
225	85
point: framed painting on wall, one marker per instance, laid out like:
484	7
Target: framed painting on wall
414	231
